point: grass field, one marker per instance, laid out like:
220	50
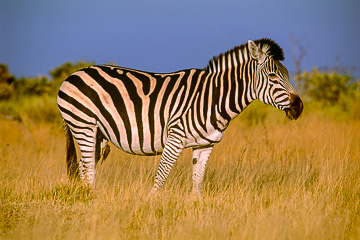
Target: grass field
270	178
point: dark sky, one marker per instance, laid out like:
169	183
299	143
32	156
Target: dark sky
167	35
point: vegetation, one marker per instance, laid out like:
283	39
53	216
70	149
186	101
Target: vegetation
326	87
6	83
280	179
33	98
12	87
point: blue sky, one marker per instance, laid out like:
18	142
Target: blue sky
167	35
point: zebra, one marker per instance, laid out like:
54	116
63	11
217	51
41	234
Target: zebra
147	113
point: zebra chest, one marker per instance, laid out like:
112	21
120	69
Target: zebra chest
202	138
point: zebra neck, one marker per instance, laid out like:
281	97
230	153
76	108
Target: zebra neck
236	67
233	91
230	59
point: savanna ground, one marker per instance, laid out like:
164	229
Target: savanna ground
269	178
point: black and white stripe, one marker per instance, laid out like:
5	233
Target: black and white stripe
147	113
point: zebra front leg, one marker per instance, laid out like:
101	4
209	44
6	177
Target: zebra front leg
172	150
200	157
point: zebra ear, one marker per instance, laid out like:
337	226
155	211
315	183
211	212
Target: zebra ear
255	52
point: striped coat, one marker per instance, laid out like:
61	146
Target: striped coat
150	113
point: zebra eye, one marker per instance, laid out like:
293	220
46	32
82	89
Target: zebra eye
272	75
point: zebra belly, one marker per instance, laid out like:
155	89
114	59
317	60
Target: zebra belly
146	146
146	151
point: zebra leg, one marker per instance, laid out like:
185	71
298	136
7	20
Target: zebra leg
102	147
172	150
88	157
200	157
105	151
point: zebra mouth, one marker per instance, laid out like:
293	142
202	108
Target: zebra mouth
291	114
296	107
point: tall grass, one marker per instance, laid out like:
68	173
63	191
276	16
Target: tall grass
269	178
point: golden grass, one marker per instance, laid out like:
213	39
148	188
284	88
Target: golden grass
277	179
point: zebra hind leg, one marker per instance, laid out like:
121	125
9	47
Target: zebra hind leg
71	158
87	142
105	152
200	158
102	147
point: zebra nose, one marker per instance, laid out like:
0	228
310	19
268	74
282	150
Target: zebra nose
296	107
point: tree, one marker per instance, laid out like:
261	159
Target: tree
60	73
6	83
33	86
326	87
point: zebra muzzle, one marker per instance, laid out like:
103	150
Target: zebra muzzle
296	107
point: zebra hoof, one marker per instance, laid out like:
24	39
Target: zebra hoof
154	192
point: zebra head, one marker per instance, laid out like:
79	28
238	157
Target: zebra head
271	79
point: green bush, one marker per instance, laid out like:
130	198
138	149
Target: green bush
32	100
6	83
326	87
60	73
32	110
6	90
33	86
11	87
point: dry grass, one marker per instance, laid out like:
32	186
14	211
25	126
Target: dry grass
274	180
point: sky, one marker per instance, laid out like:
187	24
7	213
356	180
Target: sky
37	36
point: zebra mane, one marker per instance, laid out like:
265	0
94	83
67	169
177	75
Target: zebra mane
226	60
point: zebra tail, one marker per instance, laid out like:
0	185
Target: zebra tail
71	159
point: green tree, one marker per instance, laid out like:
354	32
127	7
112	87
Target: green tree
33	86
326	87
60	73
6	83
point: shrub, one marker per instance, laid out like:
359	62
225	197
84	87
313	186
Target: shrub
6	83
35	86
326	87
60	73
